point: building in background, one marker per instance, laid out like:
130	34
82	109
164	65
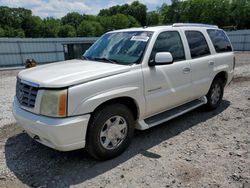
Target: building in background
15	51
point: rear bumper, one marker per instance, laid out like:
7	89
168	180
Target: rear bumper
62	134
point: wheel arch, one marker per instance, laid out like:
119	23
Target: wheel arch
127	101
223	75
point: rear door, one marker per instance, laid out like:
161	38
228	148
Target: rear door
202	62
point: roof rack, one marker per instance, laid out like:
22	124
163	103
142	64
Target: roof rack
193	25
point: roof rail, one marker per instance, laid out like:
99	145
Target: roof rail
193	25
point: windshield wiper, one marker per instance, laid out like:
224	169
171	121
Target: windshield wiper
106	60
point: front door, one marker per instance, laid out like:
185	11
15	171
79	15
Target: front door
167	86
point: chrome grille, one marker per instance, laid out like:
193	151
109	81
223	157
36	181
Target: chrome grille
26	94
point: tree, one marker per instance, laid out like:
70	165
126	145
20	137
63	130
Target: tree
197	11
139	12
163	11
98	28
11	32
74	19
19	22
19	33
106	23
89	17
240	13
153	18
86	29
66	31
32	26
2	32
50	27
133	22
118	21
13	17
136	10
89	29
113	10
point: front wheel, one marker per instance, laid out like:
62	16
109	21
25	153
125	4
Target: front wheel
215	94
110	131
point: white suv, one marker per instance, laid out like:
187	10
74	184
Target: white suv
128	79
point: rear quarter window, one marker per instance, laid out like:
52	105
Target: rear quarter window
220	40
197	44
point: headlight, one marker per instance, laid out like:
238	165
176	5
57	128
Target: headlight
54	103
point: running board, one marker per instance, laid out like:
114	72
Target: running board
175	112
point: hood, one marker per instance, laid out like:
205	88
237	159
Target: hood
71	72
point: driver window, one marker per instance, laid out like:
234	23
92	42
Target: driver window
169	41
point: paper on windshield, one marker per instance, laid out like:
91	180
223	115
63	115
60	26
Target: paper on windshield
141	38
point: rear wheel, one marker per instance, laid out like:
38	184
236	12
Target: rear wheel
215	94
110	131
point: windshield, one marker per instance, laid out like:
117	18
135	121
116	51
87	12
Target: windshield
119	47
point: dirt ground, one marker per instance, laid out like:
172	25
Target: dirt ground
198	149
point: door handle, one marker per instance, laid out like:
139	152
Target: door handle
211	63
186	70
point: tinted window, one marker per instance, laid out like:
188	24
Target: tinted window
169	41
197	44
220	40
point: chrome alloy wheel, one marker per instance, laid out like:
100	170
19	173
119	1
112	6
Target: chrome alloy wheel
216	92
113	132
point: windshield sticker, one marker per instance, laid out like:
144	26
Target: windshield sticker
141	38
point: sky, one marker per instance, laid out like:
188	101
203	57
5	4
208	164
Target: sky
59	8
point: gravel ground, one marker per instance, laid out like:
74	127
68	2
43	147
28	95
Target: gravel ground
7	92
198	149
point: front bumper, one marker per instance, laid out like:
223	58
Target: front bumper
64	134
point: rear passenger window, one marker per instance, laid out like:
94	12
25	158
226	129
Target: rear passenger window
169	41
197	44
220	40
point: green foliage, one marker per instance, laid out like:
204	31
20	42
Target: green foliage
32	26
66	31
19	33
218	12
118	21
50	27
163	11
19	22
74	19
2	32
153	18
133	22
139	12
11	32
89	29
13	17
240	13
136	10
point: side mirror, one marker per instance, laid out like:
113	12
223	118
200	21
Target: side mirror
163	58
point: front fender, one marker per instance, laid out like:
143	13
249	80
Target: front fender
89	104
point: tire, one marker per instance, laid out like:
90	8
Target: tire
113	123
215	94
